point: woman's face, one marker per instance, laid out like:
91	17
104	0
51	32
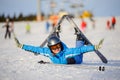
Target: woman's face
56	48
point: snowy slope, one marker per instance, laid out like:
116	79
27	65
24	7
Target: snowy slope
17	64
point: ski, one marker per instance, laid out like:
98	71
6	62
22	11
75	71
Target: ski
79	32
55	31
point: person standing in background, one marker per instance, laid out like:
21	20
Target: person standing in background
108	25
47	25
113	20
7	26
54	19
28	28
83	25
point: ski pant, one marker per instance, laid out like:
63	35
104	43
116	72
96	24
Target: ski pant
79	58
7	33
113	25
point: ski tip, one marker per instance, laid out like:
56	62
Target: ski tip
105	61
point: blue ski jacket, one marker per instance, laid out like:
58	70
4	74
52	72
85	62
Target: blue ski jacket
61	57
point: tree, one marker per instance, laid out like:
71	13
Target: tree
2	18
14	17
20	18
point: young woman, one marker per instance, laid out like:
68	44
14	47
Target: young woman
59	53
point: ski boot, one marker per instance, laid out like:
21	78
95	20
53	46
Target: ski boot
80	38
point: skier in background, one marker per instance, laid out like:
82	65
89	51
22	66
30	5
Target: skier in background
108	25
59	53
113	20
83	25
47	25
28	27
54	19
7	26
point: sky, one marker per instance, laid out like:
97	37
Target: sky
98	7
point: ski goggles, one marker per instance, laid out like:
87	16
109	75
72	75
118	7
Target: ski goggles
54	47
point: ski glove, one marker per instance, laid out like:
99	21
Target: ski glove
18	43
99	45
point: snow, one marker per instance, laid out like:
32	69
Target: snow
17	64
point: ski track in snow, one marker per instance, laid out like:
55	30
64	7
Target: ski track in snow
17	64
